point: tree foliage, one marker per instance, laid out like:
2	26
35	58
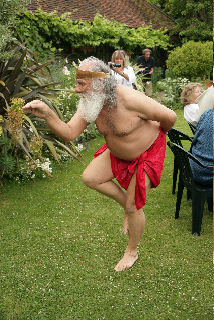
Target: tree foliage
194	17
8	19
48	31
192	60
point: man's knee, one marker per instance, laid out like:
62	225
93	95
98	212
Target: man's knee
88	179
130	207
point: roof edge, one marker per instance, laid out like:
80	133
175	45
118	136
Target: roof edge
160	10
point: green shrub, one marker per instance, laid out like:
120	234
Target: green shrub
193	59
172	89
156	76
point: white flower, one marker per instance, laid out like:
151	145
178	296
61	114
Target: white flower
80	147
65	71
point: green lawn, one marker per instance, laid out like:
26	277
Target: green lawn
60	242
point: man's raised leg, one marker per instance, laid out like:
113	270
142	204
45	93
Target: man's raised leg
98	175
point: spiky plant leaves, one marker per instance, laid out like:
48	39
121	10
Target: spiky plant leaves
52	107
22	76
2	83
6	104
31	124
68	150
53	150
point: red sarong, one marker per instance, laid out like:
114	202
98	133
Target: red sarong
151	161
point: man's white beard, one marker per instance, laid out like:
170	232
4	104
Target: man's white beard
90	105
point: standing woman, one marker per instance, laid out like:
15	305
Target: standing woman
124	74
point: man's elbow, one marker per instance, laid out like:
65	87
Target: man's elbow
174	117
69	136
172	120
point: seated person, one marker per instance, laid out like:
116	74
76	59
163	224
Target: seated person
124	74
188	96
202	146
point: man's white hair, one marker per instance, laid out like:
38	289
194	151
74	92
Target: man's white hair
109	84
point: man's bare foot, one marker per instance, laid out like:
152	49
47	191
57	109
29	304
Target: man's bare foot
125	224
126	262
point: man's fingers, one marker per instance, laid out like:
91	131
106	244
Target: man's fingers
31	105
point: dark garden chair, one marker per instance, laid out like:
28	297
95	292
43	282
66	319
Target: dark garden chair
177	137
200	192
192	127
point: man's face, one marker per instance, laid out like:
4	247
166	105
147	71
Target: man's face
83	85
91	98
147	55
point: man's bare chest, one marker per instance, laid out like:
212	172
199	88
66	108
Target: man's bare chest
117	123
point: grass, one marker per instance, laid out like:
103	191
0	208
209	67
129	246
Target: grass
60	241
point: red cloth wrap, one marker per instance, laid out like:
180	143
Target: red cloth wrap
151	161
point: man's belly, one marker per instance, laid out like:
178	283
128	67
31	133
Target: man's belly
132	146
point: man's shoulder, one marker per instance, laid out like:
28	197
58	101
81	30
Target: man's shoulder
126	94
140	58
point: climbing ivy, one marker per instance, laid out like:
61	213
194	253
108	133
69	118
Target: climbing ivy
49	32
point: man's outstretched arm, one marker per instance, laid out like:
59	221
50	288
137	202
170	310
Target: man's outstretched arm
66	131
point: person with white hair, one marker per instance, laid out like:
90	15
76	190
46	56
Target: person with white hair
189	96
134	127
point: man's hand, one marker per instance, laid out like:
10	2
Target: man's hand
38	108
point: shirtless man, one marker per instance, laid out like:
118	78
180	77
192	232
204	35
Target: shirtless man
135	143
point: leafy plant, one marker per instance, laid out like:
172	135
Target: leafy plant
157	75
193	59
7	161
194	18
172	89
8	20
47	32
139	85
89	133
22	78
66	97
